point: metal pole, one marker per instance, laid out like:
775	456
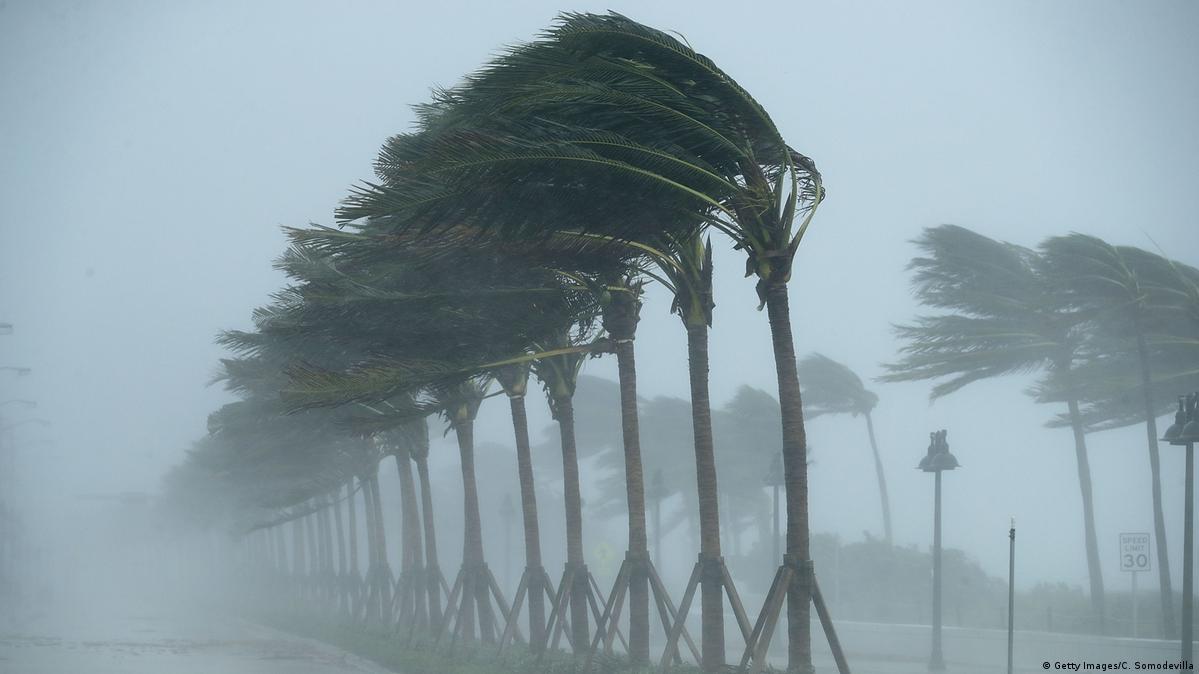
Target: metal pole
1188	559
936	661
1011	593
1134	606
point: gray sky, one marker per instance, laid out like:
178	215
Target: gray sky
152	150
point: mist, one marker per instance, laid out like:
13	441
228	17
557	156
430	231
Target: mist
153	154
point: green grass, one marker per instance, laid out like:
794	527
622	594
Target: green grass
422	657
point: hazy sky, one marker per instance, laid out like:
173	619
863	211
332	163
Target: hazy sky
150	152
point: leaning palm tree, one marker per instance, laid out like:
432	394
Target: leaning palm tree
833	388
559	377
1114	286
514	379
1003	317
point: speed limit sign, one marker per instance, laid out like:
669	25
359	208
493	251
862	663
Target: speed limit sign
1134	552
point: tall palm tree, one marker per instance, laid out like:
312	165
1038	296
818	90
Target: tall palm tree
832	388
412	609
460	405
559	377
1004	318
621	314
514	379
433	574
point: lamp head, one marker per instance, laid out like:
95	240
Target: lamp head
1190	430
938	456
1180	420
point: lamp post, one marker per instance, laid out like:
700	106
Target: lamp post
937	460
774	479
1185	432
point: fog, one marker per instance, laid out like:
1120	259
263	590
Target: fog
152	152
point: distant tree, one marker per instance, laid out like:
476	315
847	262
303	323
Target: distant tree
832	388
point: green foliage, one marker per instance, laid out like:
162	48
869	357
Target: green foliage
1001	317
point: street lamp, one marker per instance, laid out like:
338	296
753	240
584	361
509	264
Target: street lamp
1185	432
936	461
21	371
774	480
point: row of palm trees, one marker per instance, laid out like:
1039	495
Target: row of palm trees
511	234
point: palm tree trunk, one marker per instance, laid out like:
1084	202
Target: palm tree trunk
795	478
1088	515
339	584
353	573
528	507
472	545
413	552
432	567
711	599
882	481
571	494
371	588
326	549
297	540
1169	629
314	559
383	575
635	492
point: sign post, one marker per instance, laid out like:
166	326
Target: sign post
1134	558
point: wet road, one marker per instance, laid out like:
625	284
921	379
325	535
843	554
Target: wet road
161	643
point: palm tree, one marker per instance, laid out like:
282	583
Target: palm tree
832	388
433	575
620	316
514	379
1004	318
412	608
559	377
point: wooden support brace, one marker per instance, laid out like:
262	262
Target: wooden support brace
666	610
826	621
676	630
735	601
514	615
448	616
